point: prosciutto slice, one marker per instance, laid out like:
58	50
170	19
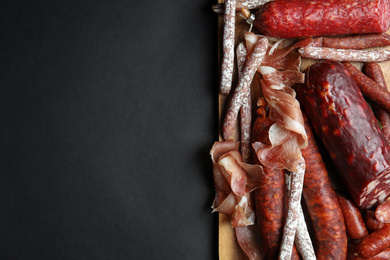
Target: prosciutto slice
287	134
234	180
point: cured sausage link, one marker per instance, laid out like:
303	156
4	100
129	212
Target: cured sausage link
330	238
302	237
302	18
342	119
357	42
293	204
242	89
270	199
374	243
374	71
372	223
246	108
228	47
369	87
354	223
325	53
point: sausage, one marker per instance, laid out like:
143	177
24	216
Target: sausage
353	255
372	223
325	53
302	18
374	243
382	212
342	119
228	47
374	71
246	108
356	42
354	223
330	239
270	199
243	86
369	87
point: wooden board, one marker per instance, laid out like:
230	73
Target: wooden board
228	246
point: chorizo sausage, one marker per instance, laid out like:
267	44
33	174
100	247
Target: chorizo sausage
369	88
374	243
374	71
372	223
342	119
354	223
302	18
330	239
270	199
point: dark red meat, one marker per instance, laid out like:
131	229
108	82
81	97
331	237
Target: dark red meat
302	18
330	238
270	199
342	119
354	223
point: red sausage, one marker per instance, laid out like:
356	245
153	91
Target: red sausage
356	42
330	239
382	212
354	223
270	199
374	243
372	223
369	88
353	255
342	119
302	18
374	71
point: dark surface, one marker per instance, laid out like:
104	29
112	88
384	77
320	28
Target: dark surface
108	111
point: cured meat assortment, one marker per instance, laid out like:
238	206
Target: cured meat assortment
301	169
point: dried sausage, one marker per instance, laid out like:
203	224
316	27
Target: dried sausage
302	18
374	243
330	239
270	199
382	212
356	42
354	223
342	119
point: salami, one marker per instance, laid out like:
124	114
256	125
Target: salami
242	89
302	18
342	119
330	239
325	53
228	47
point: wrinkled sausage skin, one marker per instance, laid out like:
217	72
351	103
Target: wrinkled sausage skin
342	119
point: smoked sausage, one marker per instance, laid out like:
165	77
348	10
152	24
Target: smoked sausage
342	119
330	239
303	18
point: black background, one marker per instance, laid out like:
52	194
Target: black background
108	110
